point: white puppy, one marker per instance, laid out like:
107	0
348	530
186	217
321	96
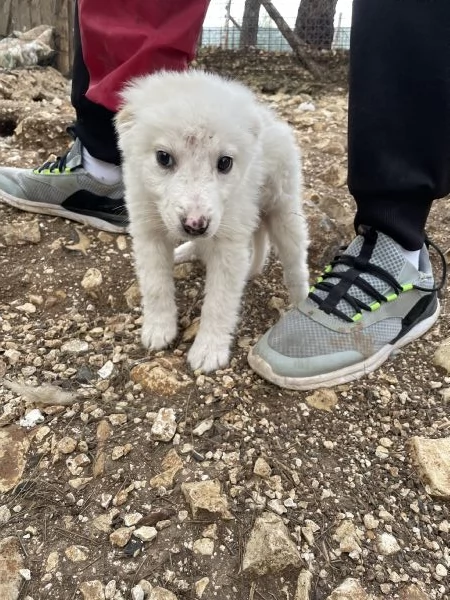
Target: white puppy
205	163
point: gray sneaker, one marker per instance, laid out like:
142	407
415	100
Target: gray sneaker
369	302
63	188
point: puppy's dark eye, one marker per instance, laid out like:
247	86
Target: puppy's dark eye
224	164
164	159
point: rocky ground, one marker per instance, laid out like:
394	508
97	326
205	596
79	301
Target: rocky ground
125	475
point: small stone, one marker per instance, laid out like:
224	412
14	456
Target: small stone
277	507
118	419
137	593
11	562
80	482
442	355
165	425
323	399
370	522
92	280
25	574
110	590
122	243
14	446
52	562
66	445
200	586
160	525
77	553
32	418
262	468
146	534
159	593
303	585
412	592
206	495
441	570
107	370
92	590
5	514
159	380
350	589
432	458
120	451
120	537
348	537
387	544
381	452
210	531
75	347
104	522
204	546
270	547
27	308
171	464
132	519
203	427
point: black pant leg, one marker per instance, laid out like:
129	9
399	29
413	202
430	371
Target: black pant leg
94	123
399	114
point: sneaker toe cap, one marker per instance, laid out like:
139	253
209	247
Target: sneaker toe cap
9	183
271	363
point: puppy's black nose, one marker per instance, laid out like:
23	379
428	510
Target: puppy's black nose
195	226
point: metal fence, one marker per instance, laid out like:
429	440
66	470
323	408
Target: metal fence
269	38
222	26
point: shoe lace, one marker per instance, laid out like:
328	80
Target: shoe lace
335	292
60	164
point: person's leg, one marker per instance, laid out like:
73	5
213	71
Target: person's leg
119	41
399	114
379	294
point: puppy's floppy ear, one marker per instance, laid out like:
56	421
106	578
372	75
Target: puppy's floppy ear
255	125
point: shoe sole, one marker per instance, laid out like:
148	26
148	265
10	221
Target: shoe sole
356	371
54	210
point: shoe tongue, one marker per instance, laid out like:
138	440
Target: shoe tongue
74	158
385	254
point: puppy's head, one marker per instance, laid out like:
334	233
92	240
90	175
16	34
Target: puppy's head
189	138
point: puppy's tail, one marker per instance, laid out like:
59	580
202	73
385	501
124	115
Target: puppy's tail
261	247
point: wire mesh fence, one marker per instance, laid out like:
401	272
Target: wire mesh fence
242	23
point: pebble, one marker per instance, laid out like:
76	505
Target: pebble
200	586
165	425
204	546
121	536
262	468
75	346
146	534
387	544
66	445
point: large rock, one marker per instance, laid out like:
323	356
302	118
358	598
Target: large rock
27	49
19	234
350	589
158	379
206	495
270	548
14	445
11	561
432	458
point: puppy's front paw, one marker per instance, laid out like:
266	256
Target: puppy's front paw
208	355
157	334
184	253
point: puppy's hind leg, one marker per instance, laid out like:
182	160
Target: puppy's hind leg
288	232
261	249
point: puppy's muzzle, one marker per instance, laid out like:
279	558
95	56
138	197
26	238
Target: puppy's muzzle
195	226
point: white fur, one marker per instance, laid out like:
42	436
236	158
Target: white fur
197	118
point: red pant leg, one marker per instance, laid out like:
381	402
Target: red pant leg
122	39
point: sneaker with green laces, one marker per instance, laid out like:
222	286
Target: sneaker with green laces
369	302
64	188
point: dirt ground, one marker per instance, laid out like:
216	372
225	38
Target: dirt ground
85	480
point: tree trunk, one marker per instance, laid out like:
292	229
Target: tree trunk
315	22
249	27
296	43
